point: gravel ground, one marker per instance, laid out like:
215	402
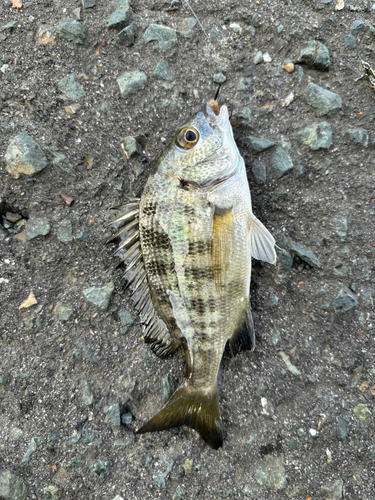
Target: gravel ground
76	380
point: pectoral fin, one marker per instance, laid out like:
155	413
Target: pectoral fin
262	243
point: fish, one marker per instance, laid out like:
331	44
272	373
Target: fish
187	244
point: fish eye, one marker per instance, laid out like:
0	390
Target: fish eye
187	138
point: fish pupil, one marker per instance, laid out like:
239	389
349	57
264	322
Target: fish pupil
190	136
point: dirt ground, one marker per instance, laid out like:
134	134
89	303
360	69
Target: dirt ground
299	412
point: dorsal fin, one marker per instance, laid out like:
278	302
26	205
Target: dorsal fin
154	329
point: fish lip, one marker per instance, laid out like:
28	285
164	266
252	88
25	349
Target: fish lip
214	119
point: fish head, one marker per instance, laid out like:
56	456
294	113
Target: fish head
203	151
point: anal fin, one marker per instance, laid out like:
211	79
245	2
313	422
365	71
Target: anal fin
244	338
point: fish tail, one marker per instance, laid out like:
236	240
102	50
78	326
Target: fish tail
197	408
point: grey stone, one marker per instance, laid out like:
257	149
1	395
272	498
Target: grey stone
166	37
9	26
257	144
88	4
358	136
343	425
258	58
62	162
30	450
214	35
71	88
12	487
127	35
127	418
281	163
187	30
350	42
333	492
372	28
344	301
316	55
24	156
35	228
357	26
323	100
259	172
113	414
51	493
65	231
241	117
126	317
316	136
130	82
82	235
160	478
163	71
306	255
341	227
87	395
273	300
271	473
100	468
131	147
71	30
121	16
219	78
62	312
89	354
100	297
284	260
178	494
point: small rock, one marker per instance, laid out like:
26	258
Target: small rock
166	37
362	412
281	163
358	136
163	71
131	147
343	425
100	468
62	162
12	487
127	35
71	30
178	494
188	465
357	26
71	88
214	35
306	255
160	479
82	235
341	227
89	354
271	473
333	492
113	414
316	136
67	199
127	418
51	493
130	82
344	301
293	369
117	497
284	260
88	4
126	317
65	231
121	16
44	35
100	297
323	100
289	67
9	26
316	55
258	58
62	313
188	26
30	450
36	227
219	78
273	300
350	42
24	156
259	172
30	301
241	117
87	395
257	144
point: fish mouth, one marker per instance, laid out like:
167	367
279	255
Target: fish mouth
215	114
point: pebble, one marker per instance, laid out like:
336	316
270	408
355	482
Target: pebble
163	71
88	4
306	255
82	235
281	162
241	117
62	162
257	144
333	492
127	418
51	493
71	88
130	82
117	497
127	35
100	468
99	296
344	301
30	301
12	487
358	136
9	26
316	55
284	260
131	147
362	412
71	30
65	231
267	58
316	136
62	313
89	354
178	494
293	369
350	42
258	58
323	100
289	67
30	450
341	227
219	78
24	156
357	26
271	473
259	172
126	317
214	35
160	478
166	37
343	425
121	16
113	414
36	227
187	30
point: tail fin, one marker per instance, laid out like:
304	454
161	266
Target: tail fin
194	407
